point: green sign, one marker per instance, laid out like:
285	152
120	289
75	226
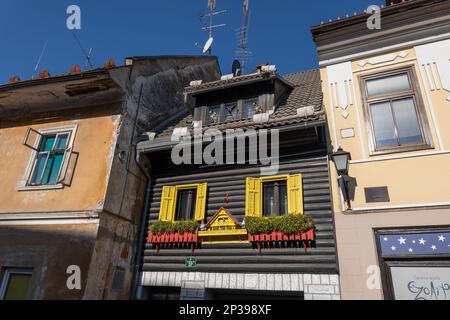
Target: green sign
190	262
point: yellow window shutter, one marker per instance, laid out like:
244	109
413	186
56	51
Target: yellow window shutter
200	202
295	194
253	198
167	209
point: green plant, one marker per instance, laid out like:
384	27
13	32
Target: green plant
160	227
288	224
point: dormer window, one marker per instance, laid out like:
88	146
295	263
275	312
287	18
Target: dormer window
231	111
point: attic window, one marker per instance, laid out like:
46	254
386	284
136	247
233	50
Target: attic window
232	111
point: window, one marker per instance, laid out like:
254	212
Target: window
186	205
215	114
241	109
395	115
248	108
50	159
274	196
183	202
15	284
231	112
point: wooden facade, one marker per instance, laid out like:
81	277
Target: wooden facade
293	106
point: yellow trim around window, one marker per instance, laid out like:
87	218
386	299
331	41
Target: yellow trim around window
254	195
169	201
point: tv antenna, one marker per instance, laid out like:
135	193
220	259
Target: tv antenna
39	59
207	48
242	53
86	55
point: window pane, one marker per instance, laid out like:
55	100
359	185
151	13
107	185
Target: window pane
248	109
282	187
231	111
214	114
389	84
17	287
186	200
269	198
61	141
407	122
48	143
383	124
53	166
39	168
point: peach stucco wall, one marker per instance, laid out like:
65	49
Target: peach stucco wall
94	142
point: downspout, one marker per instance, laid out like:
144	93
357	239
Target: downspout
137	255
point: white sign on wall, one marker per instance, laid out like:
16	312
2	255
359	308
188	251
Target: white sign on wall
420	283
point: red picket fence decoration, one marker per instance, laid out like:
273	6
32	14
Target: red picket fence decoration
158	240
276	236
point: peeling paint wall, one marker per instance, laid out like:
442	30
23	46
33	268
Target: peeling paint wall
49	250
94	143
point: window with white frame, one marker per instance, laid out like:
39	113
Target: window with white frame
52	150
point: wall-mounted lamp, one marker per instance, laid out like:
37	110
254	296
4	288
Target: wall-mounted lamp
341	160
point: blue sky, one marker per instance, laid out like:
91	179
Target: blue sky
279	31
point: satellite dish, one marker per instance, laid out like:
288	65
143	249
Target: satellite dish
208	45
236	68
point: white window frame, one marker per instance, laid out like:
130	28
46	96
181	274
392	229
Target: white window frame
6	276
23	184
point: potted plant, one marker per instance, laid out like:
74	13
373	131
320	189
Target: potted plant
178	232
288	228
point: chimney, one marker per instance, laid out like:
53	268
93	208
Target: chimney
109	64
44	74
14	79
74	69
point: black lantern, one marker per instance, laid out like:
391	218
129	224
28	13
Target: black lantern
341	160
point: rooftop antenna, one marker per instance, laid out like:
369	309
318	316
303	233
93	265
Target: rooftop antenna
88	58
207	48
86	55
242	53
39	59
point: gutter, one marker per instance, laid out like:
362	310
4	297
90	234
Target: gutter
137	256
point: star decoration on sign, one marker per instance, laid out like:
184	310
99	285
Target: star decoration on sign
415	243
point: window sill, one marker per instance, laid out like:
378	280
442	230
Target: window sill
400	150
38	188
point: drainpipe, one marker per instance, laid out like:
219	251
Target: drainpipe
137	256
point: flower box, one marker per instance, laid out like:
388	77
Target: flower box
304	239
167	239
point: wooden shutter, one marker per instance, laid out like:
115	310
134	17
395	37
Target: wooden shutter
30	138
200	202
253	197
168	199
295	194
